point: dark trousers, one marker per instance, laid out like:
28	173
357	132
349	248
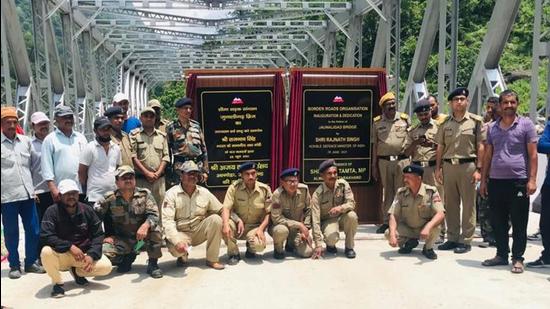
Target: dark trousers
10	219
44	200
544	223
508	200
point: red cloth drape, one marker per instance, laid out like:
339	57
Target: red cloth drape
191	92
295	119
382	87
277	127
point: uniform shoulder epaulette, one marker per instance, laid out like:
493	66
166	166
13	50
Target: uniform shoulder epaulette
109	196
160	132
136	131
237	182
143	190
377	118
409	129
302	186
319	189
194	121
476	117
429	187
402	189
404	116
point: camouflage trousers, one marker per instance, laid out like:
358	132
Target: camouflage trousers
484	219
124	246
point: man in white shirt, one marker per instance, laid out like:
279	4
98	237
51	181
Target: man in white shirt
98	162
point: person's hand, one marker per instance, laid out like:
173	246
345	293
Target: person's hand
483	189
531	187
141	233
374	172
204	177
56	195
393	240
424	233
439	176
476	177
77	253
182	247
109	240
335	211
261	236
226	231
304	232
240	228
151	177
88	264
317	253
36	199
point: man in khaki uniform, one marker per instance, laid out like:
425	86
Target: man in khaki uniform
332	210
119	137
160	123
150	155
248	203
130	216
191	216
415	214
459	143
421	147
291	216
436	115
388	135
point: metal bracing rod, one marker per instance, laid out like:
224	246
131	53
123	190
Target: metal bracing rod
338	25
353	52
314	39
103	40
535	62
330	47
55	8
145	30
163	16
41	59
7	97
88	22
377	10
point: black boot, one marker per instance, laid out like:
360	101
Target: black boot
126	264
153	269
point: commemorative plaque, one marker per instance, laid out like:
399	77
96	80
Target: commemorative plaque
336	125
237	128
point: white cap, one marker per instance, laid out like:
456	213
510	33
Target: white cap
39	117
67	185
120	97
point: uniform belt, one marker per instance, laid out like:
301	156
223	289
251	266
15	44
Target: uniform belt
393	158
424	163
456	161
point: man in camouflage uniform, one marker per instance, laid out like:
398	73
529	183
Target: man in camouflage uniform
160	123
291	216
415	214
191	216
130	216
186	140
119	137
247	205
150	155
388	135
332	210
420	146
483	212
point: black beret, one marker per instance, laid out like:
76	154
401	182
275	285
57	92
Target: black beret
290	172
182	102
246	166
422	106
458	91
113	111
414	169
325	165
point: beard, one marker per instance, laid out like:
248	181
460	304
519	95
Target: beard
103	139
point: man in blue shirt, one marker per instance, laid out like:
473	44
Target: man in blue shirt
544	224
130	122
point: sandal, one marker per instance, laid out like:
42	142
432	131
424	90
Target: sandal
517	269
496	261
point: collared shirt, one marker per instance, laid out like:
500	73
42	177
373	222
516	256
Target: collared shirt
544	147
249	206
60	230
125	148
416	211
101	168
440	118
510	159
422	153
130	124
61	155
460	137
40	185
291	210
149	149
389	134
183	213
186	142
125	218
16	180
323	199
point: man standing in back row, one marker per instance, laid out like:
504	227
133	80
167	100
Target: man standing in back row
389	133
459	151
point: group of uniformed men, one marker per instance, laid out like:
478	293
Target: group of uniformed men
140	214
